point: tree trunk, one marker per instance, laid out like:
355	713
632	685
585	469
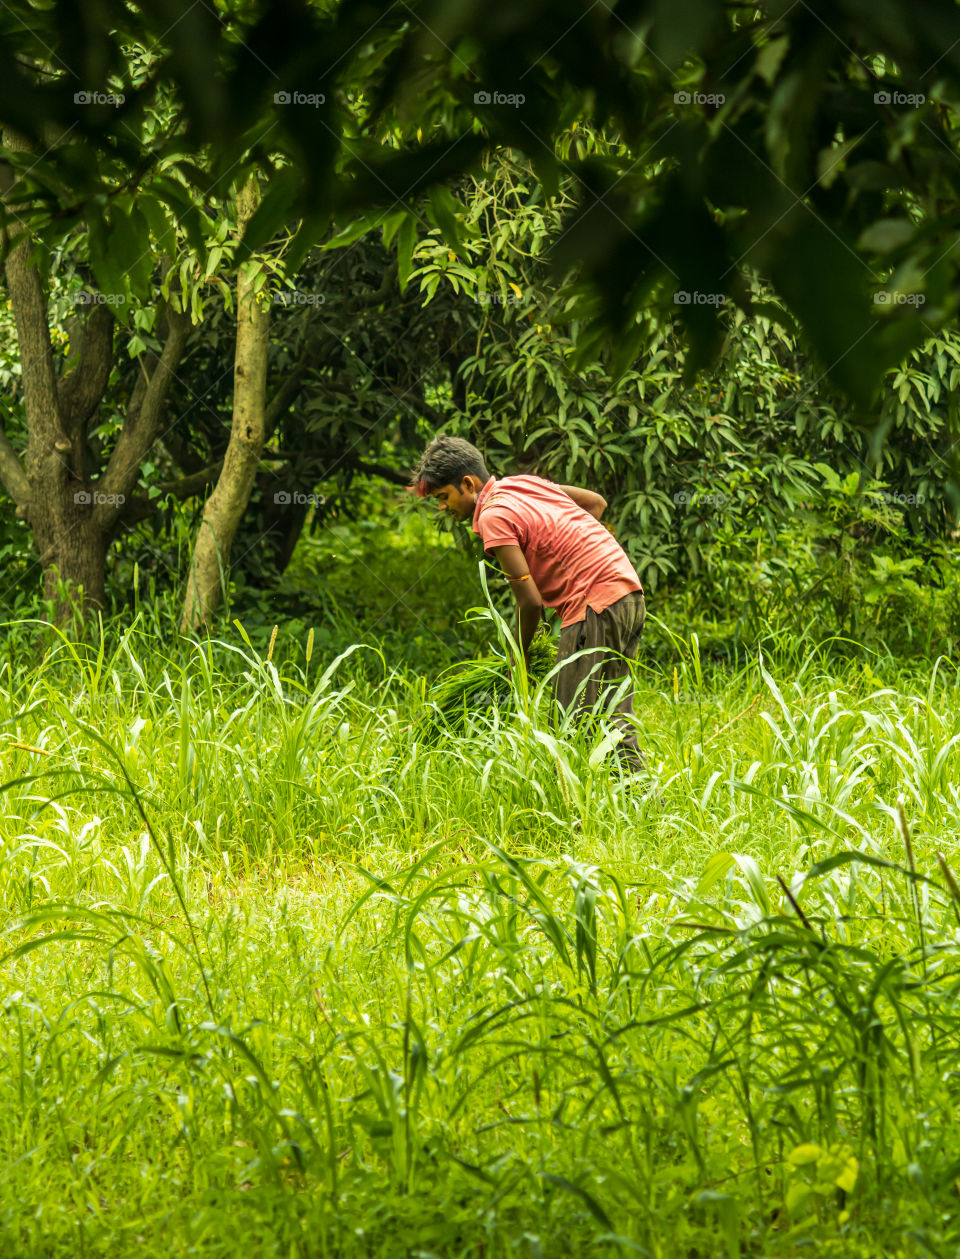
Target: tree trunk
47	489
72	511
74	552
227	503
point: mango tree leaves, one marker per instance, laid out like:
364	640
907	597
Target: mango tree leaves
729	131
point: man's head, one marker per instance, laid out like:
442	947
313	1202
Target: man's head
452	472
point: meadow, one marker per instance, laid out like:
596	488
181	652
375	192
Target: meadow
285	973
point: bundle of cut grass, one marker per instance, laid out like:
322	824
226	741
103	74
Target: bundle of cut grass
476	685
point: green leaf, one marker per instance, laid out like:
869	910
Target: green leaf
405	246
273	213
391	224
886	235
310	231
592	1205
447	214
106	264
161	228
754	879
359	227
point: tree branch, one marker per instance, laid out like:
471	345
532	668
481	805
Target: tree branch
138	507
81	389
143	420
381	470
374	299
226	504
418	403
40	396
14	478
303	458
285	396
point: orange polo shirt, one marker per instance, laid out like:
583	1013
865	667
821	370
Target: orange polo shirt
575	561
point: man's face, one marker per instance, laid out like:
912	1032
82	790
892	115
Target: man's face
458	501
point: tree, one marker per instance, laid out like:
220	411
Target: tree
754	487
791	145
74	514
75	495
226	505
813	141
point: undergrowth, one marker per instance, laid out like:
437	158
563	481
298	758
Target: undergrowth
282	978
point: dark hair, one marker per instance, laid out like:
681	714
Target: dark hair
446	461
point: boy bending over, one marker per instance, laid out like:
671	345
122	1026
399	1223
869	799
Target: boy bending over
555	553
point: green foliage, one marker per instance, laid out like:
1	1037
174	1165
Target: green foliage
375	569
817	153
280	976
479	685
726	494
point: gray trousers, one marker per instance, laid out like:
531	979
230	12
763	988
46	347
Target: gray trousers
614	636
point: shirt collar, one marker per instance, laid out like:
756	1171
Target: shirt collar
481	499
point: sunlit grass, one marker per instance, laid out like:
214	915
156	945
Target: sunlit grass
281	978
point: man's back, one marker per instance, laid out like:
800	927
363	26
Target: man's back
574	560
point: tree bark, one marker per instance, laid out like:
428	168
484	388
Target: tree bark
141	424
226	505
44	485
71	510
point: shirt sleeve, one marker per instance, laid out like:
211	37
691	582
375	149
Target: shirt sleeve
498	526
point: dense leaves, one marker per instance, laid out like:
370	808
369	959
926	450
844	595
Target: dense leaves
816	147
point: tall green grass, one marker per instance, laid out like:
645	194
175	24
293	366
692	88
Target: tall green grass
281	977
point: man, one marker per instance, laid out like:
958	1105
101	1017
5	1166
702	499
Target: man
555	553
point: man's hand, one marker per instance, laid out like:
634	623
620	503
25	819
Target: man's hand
529	602
595	504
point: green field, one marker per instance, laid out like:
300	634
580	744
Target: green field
283	977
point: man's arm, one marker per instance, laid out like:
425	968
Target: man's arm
595	504
529	602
